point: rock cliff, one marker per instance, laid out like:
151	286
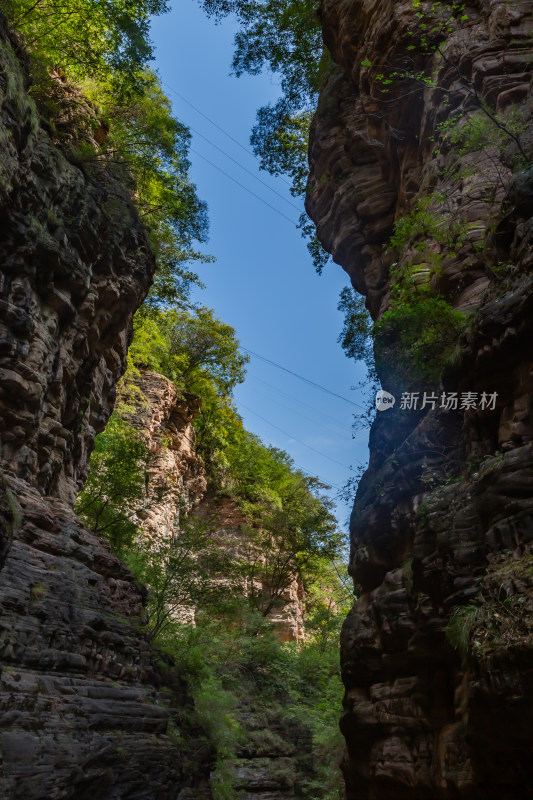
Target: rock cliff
437	652
274	757
178	485
82	714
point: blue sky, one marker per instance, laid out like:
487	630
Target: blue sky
263	282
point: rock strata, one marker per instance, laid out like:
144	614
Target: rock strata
75	265
178	487
436	653
82	713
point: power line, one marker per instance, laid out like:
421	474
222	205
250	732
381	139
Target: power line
320	478
317	411
219	127
301	377
265	202
285	433
241	166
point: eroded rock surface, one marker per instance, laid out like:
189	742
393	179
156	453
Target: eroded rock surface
179	487
75	265
177	481
82	715
437	653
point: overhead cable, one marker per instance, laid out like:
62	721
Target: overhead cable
241	166
297	400
302	378
265	202
285	433
216	125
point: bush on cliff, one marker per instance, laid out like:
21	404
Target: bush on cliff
114	491
89	38
416	339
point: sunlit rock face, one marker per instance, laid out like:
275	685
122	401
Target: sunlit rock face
176	481
81	712
178	487
275	755
442	519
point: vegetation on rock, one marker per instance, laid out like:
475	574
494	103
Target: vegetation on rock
103	105
103	49
232	653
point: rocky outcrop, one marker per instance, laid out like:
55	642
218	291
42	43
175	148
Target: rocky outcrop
75	265
437	652
176	476
275	761
81	708
82	714
178	487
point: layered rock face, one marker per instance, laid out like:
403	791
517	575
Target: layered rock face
81	713
437	653
177	480
75	266
178	487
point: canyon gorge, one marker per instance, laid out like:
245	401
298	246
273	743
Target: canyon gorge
421	187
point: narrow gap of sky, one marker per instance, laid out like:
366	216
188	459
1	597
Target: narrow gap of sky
263	282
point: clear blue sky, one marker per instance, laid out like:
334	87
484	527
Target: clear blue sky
263	282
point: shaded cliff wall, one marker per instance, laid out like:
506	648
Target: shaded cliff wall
81	713
442	519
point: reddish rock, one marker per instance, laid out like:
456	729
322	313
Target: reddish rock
444	510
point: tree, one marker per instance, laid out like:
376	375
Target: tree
356	335
290	527
154	146
193	348
114	492
103	46
185	573
285	37
100	39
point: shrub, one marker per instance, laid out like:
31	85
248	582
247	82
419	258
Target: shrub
416	339
460	627
115	489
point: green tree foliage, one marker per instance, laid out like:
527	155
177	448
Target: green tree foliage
280	139
295	687
154	146
416	338
356	335
193	348
186	571
232	652
103	46
291	525
115	490
200	354
100	39
285	37
281	35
